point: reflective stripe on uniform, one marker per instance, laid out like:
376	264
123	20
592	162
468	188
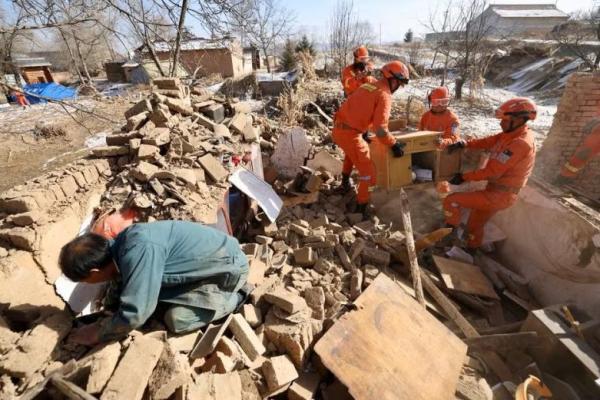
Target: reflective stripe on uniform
571	168
364	178
369	87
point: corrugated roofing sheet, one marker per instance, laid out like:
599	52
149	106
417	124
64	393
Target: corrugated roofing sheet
194	44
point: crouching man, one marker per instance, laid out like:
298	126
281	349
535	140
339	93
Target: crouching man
191	274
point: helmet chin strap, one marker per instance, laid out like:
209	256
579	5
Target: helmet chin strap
392	89
512	126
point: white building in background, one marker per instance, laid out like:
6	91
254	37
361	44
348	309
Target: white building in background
521	20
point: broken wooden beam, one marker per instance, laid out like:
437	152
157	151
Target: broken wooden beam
410	246
503	341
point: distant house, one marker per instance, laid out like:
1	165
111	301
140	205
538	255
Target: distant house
521	20
201	57
34	69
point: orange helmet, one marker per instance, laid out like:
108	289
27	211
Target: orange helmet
518	107
439	96
397	70
361	54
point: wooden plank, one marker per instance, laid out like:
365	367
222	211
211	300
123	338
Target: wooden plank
503	342
392	348
464	277
410	246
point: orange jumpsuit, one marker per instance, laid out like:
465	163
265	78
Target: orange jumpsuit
351	81
589	149
509	166
369	106
445	122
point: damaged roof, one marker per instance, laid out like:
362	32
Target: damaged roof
195	44
530	13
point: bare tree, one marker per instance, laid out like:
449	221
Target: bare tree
346	32
573	35
464	34
265	22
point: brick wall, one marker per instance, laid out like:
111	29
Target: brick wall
580	103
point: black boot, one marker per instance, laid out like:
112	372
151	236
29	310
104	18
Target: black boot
361	208
346	183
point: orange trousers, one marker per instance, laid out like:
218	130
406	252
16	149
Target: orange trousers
356	154
585	153
483	204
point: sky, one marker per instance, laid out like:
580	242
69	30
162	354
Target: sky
394	18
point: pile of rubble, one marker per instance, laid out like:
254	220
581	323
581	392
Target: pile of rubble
175	153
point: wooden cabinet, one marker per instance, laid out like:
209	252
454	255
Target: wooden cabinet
420	150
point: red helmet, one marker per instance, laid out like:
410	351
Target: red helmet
439	96
361	54
518	107
397	70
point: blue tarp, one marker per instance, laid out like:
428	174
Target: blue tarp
53	91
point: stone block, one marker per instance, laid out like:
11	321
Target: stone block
26	219
315	299
68	186
213	168
216	112
209	340
211	386
375	256
172	372
305	256
221	130
18	205
246	337
121	139
219	363
136	121
148	152
286	300
238	123
102	364
252	314
130	379
144	171
290	337
158	137
167	82
251	133
110	151
305	387
21	238
138	108
279	371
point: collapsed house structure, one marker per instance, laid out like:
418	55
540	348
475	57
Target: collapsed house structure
336	312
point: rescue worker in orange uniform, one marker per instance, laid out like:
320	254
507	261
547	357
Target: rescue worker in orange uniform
507	170
358	73
368	107
440	118
585	153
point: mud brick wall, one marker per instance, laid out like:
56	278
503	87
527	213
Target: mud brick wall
580	103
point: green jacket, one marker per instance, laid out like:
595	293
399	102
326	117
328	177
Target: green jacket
175	262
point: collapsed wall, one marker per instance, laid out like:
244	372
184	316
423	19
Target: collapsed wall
579	103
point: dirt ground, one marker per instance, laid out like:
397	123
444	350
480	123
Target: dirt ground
28	151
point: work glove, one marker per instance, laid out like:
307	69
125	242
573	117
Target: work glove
457	179
398	149
366	138
455	146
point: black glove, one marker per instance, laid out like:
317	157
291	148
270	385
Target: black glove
366	138
455	146
397	149
457	179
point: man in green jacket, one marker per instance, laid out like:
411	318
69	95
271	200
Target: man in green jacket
193	273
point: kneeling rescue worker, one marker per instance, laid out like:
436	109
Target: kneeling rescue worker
440	118
587	150
507	170
357	73
367	108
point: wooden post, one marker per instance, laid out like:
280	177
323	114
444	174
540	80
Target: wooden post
410	246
